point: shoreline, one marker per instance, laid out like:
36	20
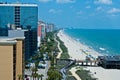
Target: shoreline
76	49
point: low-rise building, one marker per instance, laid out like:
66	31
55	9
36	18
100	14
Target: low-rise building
110	62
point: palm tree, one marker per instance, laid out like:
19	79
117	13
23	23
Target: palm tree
38	76
54	74
36	57
34	71
20	77
41	76
58	75
34	75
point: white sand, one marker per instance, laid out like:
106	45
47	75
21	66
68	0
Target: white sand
75	48
105	74
75	51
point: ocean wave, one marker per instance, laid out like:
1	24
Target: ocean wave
102	49
77	39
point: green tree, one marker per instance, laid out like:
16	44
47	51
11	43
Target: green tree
41	76
54	75
34	72
34	75
38	76
20	77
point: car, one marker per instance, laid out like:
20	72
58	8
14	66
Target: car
41	65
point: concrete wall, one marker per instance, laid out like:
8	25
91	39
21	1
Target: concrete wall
6	62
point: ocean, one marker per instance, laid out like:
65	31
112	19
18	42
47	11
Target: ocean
106	42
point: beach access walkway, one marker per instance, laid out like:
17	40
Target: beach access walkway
73	71
59	53
90	63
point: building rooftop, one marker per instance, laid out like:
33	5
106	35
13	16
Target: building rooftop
18	4
17	34
7	41
110	58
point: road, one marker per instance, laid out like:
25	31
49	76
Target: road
40	71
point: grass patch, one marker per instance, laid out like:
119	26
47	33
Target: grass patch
61	64
69	73
71	78
65	54
85	75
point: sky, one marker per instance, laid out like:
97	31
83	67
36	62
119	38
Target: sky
88	14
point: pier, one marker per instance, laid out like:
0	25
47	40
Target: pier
64	59
91	63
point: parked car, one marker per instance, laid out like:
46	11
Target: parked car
41	65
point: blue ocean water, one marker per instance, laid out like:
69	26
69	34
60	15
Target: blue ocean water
106	42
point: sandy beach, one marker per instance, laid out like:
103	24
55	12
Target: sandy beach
75	48
77	51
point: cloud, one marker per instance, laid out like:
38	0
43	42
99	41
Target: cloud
108	2
114	10
54	11
99	8
45	1
65	1
88	7
80	12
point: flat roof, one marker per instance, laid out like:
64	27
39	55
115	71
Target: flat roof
7	41
18	30
21	38
17	34
19	4
111	58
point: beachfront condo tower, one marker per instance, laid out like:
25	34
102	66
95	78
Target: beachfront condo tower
20	16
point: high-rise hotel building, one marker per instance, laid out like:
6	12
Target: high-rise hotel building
24	16
11	58
18	15
12	49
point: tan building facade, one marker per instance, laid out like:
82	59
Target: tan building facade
11	58
19	57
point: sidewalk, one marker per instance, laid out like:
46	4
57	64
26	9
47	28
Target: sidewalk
59	54
73	70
